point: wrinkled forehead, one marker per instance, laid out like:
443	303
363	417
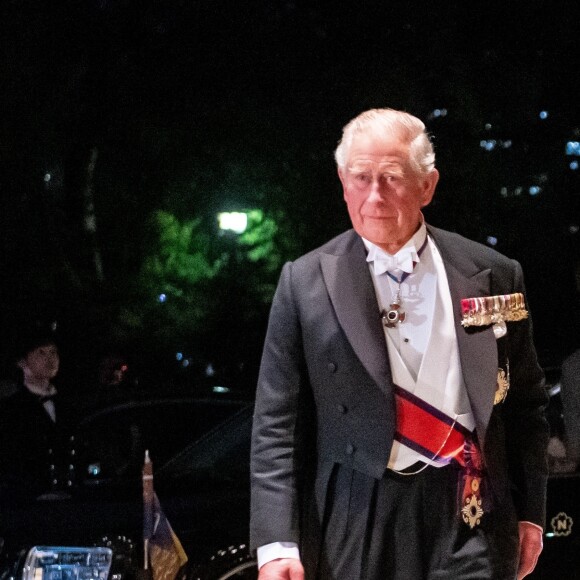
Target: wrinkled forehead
381	153
377	144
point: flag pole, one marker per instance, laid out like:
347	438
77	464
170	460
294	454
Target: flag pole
147	507
163	554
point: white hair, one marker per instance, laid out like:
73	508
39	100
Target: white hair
390	122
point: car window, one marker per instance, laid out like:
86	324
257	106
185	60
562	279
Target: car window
222	455
112	442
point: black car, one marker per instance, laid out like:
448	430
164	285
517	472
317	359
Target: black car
200	451
561	555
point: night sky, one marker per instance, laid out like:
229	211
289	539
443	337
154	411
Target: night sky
180	92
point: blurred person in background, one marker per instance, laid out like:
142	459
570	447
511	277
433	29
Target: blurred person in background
37	447
570	393
118	452
113	383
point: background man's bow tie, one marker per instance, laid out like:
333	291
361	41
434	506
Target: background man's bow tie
45	398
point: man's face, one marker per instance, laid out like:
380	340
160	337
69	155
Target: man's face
383	194
42	363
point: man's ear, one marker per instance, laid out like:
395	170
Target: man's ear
429	184
342	177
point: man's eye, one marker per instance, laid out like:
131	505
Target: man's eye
363	177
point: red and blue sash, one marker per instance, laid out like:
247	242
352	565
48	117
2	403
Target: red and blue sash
429	431
443	440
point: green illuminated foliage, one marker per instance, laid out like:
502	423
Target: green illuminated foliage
259	240
181	253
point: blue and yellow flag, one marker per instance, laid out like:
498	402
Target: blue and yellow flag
163	550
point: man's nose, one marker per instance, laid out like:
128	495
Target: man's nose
377	191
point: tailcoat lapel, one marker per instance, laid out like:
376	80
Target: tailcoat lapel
477	345
352	293
350	287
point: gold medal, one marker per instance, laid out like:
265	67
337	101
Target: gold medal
484	310
472	511
503	385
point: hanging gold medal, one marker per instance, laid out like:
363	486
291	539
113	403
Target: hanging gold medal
472	511
503	385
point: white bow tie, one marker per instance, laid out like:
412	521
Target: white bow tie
403	261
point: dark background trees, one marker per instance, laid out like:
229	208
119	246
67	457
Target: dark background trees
127	125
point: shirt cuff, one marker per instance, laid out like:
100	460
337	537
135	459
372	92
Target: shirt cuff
534	525
277	550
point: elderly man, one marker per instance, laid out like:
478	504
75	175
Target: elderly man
399	430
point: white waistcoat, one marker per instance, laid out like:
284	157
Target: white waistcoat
439	379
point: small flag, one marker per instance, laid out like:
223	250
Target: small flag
162	549
148	494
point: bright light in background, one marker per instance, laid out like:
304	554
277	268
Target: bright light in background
438	113
544	115
574	165
573	148
491	144
492	240
162	298
488	145
94	469
233	221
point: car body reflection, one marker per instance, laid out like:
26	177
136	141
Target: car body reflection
200	450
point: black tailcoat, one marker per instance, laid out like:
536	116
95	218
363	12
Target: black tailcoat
325	392
37	455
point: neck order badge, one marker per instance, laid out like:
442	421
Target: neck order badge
394	314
